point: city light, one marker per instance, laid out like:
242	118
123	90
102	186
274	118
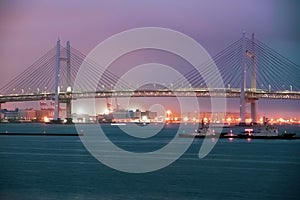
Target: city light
168	117
45	114
168	113
69	89
106	111
46	119
185	119
144	118
228	119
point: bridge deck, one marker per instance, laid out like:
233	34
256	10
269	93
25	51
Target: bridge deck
214	93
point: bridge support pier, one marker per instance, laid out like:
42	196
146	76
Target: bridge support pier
69	89
253	112
68	112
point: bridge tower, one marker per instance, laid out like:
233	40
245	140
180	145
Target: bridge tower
243	99
253	101
243	82
56	83
69	88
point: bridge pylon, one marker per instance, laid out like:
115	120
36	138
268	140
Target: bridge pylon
56	83
243	83
69	88
253	102
243	99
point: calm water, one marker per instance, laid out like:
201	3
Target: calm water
53	167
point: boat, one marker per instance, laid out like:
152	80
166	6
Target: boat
288	135
55	121
201	132
266	131
204	130
142	123
118	124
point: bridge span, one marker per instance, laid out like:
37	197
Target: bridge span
209	93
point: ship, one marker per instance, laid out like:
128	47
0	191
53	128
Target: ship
203	131
265	131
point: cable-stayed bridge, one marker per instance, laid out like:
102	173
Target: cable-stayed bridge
250	70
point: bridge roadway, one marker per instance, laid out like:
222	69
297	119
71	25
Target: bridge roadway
202	92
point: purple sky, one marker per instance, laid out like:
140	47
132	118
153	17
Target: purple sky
30	28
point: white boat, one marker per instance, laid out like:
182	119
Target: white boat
118	124
267	130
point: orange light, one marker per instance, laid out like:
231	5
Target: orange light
46	119
169	112
249	120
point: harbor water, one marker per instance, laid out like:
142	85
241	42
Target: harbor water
60	167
